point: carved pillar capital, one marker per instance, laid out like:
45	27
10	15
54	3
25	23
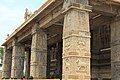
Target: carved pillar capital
81	5
36	29
115	19
14	41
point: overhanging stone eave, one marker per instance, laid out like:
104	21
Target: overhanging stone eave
32	18
104	7
117	2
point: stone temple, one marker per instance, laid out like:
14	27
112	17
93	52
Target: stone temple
66	40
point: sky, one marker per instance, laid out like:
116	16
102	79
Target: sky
12	14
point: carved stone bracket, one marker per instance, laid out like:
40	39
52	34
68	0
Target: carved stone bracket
76	6
35	28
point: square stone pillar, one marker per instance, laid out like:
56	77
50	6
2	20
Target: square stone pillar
115	49
7	61
18	61
76	40
38	53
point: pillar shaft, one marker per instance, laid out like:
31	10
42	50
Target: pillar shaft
38	54
115	49
76	40
27	71
18	61
7	61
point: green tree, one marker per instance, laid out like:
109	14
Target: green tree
1	52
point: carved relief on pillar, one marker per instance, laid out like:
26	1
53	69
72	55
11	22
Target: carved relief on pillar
66	45
76	55
81	19
76	40
83	45
81	66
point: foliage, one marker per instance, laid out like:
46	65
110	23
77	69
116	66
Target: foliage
1	52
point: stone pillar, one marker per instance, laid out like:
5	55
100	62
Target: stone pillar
38	53
18	61
7	61
76	40
27	70
115	49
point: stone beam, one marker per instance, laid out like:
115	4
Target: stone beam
100	21
118	1
114	2
103	8
25	35
53	16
